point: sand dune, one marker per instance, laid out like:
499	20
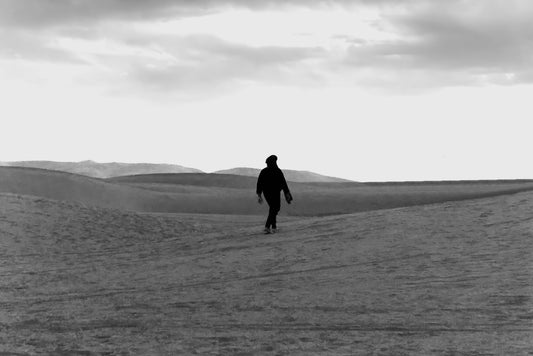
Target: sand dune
194	179
99	193
230	194
451	278
233	193
70	187
290	175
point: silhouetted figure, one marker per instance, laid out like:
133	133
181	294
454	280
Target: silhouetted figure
271	182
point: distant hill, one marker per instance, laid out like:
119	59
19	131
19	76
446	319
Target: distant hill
290	175
118	169
103	170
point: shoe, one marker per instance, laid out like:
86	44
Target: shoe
274	230
267	230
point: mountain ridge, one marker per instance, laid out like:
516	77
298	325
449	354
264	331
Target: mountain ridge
103	170
106	170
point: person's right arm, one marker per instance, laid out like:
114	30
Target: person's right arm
259	188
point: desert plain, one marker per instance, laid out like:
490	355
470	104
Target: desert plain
176	264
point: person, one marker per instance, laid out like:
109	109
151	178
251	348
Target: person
270	183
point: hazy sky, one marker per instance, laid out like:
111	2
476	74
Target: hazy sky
366	90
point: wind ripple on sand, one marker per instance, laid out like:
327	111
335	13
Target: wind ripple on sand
452	278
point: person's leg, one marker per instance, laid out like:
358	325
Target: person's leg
268	223
275	205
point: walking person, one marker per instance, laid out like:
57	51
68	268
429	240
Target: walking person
270	183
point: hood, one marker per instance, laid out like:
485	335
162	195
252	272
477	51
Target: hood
272	161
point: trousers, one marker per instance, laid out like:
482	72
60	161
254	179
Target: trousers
274	204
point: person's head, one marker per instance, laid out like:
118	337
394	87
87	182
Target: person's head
271	161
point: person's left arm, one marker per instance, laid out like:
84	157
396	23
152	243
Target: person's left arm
285	187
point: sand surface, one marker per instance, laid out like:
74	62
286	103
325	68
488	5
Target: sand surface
446	279
235	195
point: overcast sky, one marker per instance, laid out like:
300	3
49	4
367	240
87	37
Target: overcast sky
369	90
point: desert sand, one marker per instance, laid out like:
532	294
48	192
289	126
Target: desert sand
452	278
235	195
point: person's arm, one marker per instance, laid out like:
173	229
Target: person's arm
259	188
285	188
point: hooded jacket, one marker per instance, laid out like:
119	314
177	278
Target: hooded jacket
271	179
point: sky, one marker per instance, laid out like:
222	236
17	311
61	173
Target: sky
369	90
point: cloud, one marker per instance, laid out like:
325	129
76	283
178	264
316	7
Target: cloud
200	62
38	13
425	43
480	42
124	58
105	35
26	46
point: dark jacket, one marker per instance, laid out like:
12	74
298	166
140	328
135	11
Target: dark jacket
271	181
